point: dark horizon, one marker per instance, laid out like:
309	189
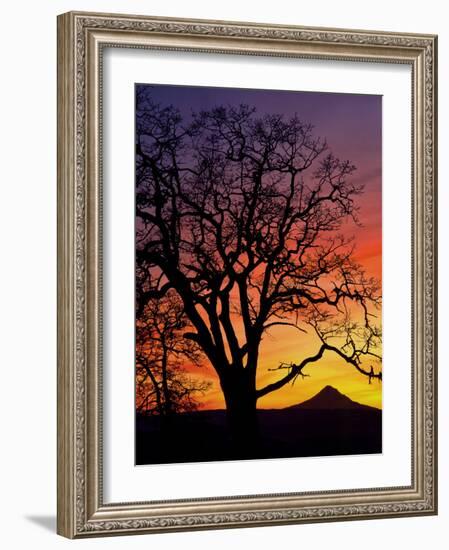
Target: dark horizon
295	431
320	392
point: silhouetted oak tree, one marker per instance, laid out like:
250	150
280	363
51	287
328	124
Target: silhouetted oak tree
240	215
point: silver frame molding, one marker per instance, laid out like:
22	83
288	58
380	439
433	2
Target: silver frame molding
81	38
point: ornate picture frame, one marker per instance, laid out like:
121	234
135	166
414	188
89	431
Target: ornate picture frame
82	40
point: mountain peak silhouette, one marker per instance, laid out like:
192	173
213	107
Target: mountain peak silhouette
329	398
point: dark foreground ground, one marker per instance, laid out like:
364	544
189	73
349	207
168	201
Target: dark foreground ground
328	424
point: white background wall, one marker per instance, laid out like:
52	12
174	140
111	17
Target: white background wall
28	272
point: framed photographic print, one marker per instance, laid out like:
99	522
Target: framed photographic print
247	274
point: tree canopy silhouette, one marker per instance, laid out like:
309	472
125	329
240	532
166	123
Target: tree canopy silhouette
240	214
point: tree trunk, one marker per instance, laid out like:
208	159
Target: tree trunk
241	413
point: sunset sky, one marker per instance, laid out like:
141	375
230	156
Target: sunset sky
351	125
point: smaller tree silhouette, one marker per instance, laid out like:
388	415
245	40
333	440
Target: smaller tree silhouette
163	385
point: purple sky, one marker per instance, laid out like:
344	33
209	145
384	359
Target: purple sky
351	123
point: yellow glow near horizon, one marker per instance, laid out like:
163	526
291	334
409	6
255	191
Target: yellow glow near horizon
287	344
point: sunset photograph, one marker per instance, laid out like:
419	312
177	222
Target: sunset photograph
258	274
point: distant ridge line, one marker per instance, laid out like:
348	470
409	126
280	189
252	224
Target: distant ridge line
329	398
